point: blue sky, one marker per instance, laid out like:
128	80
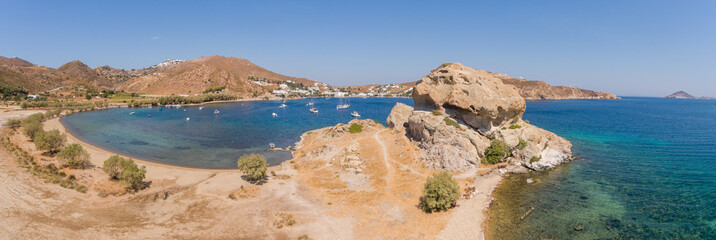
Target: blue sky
633	48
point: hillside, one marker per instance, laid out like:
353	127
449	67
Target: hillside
196	75
239	76
17	72
530	90
684	95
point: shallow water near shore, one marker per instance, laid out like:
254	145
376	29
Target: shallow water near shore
215	141
648	171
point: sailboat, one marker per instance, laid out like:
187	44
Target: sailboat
343	104
310	103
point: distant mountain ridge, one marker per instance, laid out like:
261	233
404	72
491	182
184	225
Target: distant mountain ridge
239	76
684	95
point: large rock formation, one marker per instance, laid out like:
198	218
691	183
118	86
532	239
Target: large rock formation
460	111
473	96
540	90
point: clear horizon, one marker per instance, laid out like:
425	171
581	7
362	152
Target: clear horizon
636	48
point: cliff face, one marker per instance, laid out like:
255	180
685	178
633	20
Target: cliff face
460	111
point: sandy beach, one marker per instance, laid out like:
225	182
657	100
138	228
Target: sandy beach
194	203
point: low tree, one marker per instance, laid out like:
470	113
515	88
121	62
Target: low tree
132	175
74	156
30	129
126	171
13	123
254	167
440	193
37	117
496	152
51	141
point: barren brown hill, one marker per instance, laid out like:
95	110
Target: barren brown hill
34	78
196	75
84	72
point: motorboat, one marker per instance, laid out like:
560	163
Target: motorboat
282	106
313	110
274	114
216	112
355	114
201	107
132	113
187	119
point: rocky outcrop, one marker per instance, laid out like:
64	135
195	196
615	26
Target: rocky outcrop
533	147
473	96
444	143
399	116
460	111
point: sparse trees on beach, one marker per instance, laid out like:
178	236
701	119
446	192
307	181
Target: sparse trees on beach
254	167
125	171
51	141
74	156
440	193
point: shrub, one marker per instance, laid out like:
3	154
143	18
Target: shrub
51	141
254	167
437	113
355	128
440	193
522	144
451	122
30	129
535	159
132	175
13	123
126	171
515	126
74	156
496	152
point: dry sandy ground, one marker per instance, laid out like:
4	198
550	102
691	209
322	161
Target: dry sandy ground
326	201
7	113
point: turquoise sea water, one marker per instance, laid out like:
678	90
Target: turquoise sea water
648	171
648	167
216	141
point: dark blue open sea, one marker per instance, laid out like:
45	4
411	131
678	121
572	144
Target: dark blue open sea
648	167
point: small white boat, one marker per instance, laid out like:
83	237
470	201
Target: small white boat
132	113
187	119
355	114
342	106
274	114
310	103
282	105
201	107
216	112
313	110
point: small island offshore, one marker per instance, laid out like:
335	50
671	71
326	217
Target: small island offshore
355	180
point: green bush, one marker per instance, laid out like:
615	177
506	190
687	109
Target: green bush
126	171
522	144
496	152
535	159
13	123
451	122
355	128
440	193
216	89
74	156
51	141
437	113
31	128
37	118
254	167
515	126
